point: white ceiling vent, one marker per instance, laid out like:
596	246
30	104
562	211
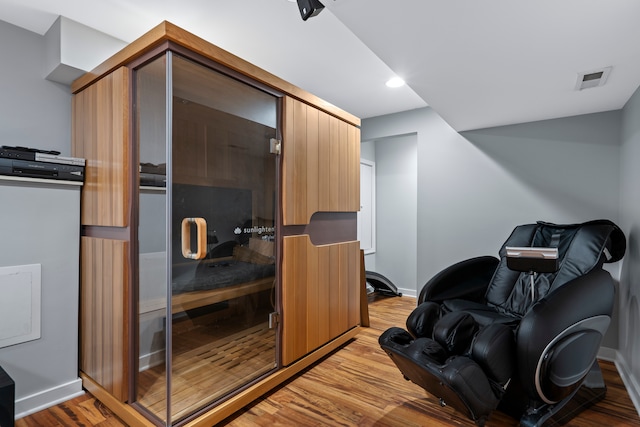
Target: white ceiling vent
592	78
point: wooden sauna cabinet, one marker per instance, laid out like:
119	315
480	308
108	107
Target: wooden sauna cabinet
314	200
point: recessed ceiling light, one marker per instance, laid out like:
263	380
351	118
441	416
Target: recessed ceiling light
395	82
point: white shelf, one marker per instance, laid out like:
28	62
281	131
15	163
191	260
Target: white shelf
40	180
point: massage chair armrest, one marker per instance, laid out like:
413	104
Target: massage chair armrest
584	304
467	279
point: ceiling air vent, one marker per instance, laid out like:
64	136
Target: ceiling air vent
592	78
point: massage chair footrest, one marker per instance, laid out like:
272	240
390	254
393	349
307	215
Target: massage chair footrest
459	382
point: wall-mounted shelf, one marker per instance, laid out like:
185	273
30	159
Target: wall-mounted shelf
25	179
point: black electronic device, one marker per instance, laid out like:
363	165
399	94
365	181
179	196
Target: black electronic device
24	153
49	156
152	175
309	8
36	169
15	153
532	259
152	180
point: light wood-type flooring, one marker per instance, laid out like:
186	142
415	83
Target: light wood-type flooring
235	360
357	385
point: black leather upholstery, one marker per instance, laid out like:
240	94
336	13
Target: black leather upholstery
478	336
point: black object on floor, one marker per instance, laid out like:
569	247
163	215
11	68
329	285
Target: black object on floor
381	284
7	399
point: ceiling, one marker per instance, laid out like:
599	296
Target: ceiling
477	63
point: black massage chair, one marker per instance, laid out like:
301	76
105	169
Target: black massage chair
520	333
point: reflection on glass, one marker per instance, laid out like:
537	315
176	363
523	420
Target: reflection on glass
222	173
151	111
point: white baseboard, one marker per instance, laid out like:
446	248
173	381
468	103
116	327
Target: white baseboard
608	354
47	398
630	382
149	360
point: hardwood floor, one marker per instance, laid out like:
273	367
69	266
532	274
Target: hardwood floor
355	386
208	366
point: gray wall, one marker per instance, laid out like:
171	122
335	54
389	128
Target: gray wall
475	187
35	112
368	152
396	211
44	370
629	292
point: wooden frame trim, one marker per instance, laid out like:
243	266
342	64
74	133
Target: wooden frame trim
125	412
195	299
166	31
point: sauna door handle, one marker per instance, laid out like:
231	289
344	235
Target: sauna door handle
201	238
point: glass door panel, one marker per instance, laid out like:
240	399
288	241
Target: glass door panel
153	210
219	215
223	175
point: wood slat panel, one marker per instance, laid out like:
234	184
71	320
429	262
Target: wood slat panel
312	166
294	164
101	136
320	294
104	332
333	287
354	289
321	163
315	312
353	175
344	167
364	304
333	183
294	341
324	158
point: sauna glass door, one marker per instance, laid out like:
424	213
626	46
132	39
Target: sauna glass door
207	204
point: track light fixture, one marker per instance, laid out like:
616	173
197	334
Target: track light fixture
309	8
